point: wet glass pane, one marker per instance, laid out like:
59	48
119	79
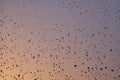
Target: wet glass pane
59	39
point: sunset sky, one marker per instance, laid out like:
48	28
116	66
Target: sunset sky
59	39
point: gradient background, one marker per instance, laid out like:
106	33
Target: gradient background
59	39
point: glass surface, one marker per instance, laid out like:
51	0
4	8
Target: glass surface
59	39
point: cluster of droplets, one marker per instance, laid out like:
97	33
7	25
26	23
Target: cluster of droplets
59	40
